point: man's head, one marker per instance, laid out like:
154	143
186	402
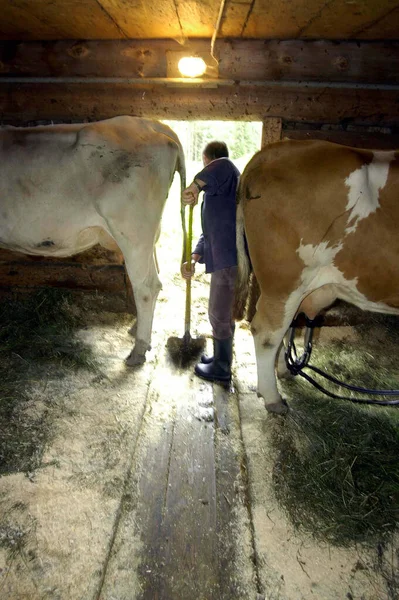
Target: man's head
214	150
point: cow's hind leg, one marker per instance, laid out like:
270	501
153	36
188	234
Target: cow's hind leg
268	339
146	286
142	272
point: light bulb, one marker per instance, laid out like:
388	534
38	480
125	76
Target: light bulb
192	66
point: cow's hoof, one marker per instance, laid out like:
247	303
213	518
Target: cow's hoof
135	359
277	408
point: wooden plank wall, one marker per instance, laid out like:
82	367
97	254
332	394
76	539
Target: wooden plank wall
293	80
97	269
239	60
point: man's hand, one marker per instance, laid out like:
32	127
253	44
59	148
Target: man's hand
187	270
190	195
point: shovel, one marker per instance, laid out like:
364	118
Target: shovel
185	349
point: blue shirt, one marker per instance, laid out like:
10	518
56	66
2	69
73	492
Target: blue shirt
217	244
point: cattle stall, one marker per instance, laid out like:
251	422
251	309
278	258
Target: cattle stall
147	483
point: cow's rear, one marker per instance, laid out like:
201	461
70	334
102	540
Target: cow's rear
64	188
321	222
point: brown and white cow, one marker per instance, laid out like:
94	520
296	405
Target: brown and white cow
64	188
322	222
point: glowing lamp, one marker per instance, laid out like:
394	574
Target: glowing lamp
192	66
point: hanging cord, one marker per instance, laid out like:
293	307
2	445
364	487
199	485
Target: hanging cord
296	365
216	30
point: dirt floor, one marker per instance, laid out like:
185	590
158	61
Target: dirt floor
154	485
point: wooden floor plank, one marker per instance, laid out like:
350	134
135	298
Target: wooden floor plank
184	531
237	571
187	533
135	551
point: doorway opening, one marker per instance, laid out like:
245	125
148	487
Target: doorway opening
243	140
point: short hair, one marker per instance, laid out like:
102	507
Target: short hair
216	150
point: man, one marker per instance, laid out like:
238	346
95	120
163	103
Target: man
216	248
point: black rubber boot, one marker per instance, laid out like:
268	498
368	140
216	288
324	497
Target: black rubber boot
206	360
220	368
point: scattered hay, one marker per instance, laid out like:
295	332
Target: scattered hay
41	326
37	343
337	471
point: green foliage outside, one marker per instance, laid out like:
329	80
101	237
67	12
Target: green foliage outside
241	137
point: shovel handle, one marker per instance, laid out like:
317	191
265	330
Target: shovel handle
189	239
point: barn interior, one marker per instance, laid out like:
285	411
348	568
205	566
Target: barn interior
154	485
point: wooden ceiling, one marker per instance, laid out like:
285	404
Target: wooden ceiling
181	19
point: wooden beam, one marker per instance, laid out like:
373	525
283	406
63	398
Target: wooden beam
108	278
271	131
356	139
295	60
241	60
31	102
96	269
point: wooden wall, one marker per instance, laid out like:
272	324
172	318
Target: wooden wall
95	270
294	80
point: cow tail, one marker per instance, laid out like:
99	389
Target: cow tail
244	267
181	169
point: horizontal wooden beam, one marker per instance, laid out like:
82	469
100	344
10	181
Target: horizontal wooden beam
20	103
356	139
110	278
96	269
238	59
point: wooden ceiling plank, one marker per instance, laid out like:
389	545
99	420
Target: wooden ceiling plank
143	19
123	33
18	21
318	19
73	19
341	19
273	19
235	17
180	19
386	26
198	19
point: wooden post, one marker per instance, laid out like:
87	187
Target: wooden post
271	131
